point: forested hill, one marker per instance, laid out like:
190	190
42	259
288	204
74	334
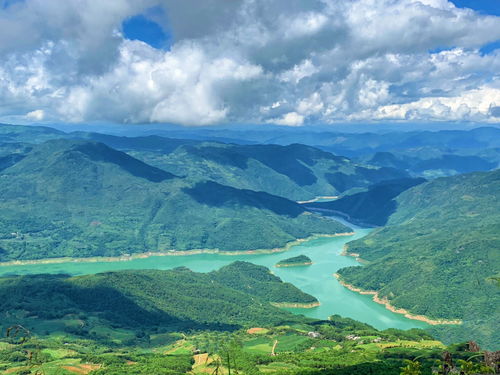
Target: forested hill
176	299
371	207
258	281
295	171
438	255
83	199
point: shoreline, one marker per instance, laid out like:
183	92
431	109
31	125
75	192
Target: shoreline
354	255
149	254
384	301
332	197
293	264
296	305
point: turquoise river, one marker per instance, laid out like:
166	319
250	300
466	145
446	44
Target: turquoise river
316	279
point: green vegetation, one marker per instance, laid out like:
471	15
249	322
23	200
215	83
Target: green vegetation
300	260
438	256
84	199
337	346
295	171
234	296
435	161
373	206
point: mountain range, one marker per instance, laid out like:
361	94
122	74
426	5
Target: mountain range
84	199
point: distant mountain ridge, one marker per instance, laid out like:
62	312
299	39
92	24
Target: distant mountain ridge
295	171
371	207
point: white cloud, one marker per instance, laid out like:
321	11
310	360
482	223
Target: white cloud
472	105
290	119
320	60
37	115
298	72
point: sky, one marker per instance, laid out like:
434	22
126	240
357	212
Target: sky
285	62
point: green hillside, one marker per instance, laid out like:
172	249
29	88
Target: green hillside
431	162
371	207
296	171
29	134
438	255
84	199
236	295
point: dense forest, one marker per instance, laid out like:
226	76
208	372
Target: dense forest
84	199
295	171
236	295
85	194
438	256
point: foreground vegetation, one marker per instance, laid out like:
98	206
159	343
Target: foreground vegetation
337	346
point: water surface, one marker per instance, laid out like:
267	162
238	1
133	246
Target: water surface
316	279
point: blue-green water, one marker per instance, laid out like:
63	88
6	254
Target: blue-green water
316	279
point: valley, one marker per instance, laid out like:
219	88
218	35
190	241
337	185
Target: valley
199	249
316	279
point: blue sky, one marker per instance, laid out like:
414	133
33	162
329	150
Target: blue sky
143	28
287	62
484	6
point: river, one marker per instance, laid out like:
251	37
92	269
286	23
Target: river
316	279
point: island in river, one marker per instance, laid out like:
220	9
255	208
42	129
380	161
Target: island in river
300	260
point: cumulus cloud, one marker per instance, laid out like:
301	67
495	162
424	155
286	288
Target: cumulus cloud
286	62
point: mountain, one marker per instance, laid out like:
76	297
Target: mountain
371	207
341	140
176	299
28	134
438	255
436	162
84	199
295	171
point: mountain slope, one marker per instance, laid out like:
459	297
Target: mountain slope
371	207
438	255
436	161
296	171
173	299
82	199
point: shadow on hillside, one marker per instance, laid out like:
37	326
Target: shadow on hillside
213	194
51	297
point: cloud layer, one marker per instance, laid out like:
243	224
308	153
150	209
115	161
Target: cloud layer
288	62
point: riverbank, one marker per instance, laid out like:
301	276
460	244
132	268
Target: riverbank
346	253
329	197
289	305
125	258
384	301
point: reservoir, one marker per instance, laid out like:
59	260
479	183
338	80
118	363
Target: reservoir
316	279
